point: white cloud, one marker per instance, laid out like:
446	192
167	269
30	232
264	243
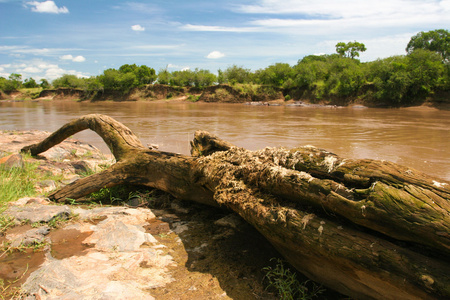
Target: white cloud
47	7
137	28
66	57
336	9
191	27
333	15
37	69
155	47
78	58
215	55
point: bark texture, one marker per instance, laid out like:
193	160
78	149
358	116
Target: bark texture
369	229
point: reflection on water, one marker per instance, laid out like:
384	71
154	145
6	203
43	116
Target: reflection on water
416	138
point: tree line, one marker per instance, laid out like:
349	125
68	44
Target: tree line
424	70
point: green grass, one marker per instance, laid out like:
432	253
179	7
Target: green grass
284	282
16	183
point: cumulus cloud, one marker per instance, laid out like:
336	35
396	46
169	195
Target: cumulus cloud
191	27
78	58
330	15
215	55
37	69
47	7
137	28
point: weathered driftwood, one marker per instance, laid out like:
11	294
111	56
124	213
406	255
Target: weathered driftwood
369	229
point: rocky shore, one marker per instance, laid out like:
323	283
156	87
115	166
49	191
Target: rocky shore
149	247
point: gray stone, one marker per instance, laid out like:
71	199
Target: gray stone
46	186
38	213
81	167
30	237
116	235
232	220
12	161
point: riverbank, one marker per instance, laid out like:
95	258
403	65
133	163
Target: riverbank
146	246
244	94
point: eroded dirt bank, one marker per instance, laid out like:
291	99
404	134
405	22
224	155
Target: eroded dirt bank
222	93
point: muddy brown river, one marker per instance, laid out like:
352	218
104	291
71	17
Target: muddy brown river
418	138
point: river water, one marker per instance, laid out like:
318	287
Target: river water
418	138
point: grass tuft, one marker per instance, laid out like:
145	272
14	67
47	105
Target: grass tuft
285	283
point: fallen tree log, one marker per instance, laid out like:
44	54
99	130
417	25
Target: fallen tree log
368	229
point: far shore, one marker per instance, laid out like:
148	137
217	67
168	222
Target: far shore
165	94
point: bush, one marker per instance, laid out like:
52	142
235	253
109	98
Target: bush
70	81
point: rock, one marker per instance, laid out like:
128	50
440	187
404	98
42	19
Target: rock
113	234
45	186
12	161
30	237
232	220
38	213
29	200
81	167
123	262
177	207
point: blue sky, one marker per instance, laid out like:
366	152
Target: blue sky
46	39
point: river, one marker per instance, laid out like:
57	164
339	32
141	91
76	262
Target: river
418	138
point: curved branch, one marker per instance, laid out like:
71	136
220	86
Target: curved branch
112	176
119	138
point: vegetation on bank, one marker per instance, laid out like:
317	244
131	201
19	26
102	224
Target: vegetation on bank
394	81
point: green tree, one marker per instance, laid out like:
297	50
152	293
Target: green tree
182	78
276	74
116	80
13	83
391	79
203	78
220	77
350	49
435	40
144	75
235	74
164	76
30	83
69	81
426	71
44	83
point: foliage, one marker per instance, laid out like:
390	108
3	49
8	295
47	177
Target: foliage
400	80
426	71
44	83
13	83
30	83
350	49
164	76
117	194
69	81
285	283
235	74
124	79
193	98
436	40
396	80
275	75
203	78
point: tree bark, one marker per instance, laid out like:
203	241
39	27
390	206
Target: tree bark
369	229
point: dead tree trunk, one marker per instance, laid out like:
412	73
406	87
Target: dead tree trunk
369	229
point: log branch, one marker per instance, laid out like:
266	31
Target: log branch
366	228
